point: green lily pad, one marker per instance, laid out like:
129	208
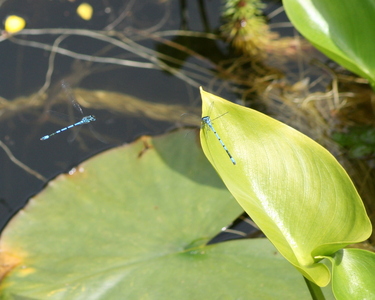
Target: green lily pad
133	223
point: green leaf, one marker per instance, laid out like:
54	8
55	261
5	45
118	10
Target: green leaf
353	274
340	29
294	189
132	223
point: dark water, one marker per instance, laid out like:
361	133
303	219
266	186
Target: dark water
24	70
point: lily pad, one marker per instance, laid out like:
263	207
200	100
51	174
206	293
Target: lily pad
133	223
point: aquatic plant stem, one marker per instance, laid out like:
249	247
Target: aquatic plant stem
315	291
